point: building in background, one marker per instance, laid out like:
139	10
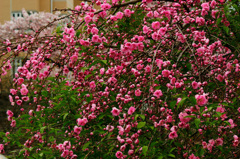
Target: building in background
10	9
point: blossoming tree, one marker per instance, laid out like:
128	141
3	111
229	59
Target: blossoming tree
28	24
151	79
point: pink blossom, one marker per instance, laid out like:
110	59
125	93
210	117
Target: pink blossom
140	66
119	154
146	29
173	135
65	153
231	123
165	73
138	92
127	12
88	19
77	130
212	142
92	85
158	93
13	91
219	141
209	147
95	38
129	141
205	6
147	1
192	156
235	137
194	85
140	38
220	109
147	68
102	71
82	122
169	119
19	102
159	63
200	20
130	152
213	4
115	111
131	110
24	91
182	117
105	6
10	113
30	112
128	128
122	148
220	78
119	15
1	147
120	130
162	31
201	99
20	81
155	25
115	1
94	30
78	8
204	144
13	123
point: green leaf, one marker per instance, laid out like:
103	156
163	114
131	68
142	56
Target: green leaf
171	155
219	20
142	116
136	116
178	144
44	93
189	66
227	123
141	124
172	104
172	149
181	102
42	129
89	75
189	116
58	30
78	33
160	157
219	114
226	29
104	61
41	154
197	122
193	100
86	145
200	152
89	98
65	115
144	150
